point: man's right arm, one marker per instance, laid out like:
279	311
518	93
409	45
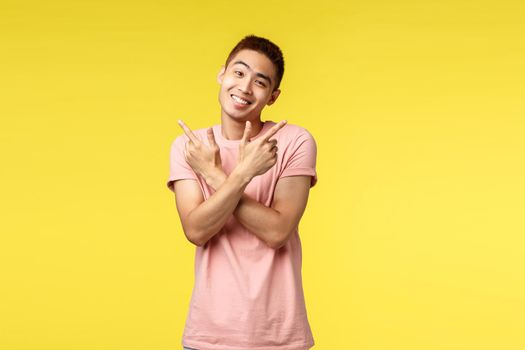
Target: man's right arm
202	219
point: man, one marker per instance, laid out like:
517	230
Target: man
240	197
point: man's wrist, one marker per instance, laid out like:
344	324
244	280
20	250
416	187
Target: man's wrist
215	177
244	176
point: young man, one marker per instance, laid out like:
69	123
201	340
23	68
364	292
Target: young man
240	197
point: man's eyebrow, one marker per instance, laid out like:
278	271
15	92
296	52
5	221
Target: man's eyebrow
258	74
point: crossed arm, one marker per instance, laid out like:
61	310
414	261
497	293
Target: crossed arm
202	219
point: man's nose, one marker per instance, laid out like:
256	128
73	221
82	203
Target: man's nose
245	86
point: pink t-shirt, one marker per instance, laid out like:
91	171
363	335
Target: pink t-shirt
248	296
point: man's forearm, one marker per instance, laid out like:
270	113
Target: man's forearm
263	221
210	216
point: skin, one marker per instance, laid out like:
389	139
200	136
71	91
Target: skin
202	219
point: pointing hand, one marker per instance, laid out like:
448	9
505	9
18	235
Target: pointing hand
204	159
258	156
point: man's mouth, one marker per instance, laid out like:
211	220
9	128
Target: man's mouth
240	100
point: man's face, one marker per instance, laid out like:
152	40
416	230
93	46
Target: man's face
247	85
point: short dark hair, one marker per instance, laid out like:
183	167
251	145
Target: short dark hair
264	46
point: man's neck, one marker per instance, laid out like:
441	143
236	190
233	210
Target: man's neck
233	130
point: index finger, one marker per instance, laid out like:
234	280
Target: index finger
273	130
188	132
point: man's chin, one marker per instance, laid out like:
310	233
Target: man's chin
238	115
231	110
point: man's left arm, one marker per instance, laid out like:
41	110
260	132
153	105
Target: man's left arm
273	224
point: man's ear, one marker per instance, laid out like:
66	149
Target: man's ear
220	76
274	96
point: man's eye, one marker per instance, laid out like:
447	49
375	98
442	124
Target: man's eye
261	83
238	73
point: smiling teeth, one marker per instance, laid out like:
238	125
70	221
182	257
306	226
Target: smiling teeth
240	100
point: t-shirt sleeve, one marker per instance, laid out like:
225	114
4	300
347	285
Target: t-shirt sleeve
179	168
302	159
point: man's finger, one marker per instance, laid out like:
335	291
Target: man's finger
273	130
211	137
247	130
186	150
188	132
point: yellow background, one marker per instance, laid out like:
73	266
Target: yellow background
413	237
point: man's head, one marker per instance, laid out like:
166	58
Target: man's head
250	78
265	47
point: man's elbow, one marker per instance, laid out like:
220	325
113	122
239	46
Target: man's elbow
280	239
198	237
194	241
277	245
191	236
